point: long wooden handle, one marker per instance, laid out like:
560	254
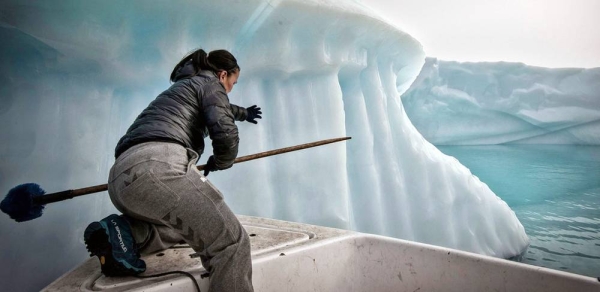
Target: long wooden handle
69	194
282	150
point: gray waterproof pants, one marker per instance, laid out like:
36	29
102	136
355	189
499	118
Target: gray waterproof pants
158	188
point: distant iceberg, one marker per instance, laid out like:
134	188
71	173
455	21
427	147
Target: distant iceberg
454	103
76	73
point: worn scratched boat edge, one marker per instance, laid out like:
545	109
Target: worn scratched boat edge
290	256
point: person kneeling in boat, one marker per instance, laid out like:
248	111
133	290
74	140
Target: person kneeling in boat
154	181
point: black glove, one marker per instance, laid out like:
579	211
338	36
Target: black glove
210	165
253	113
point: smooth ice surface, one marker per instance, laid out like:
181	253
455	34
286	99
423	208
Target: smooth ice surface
454	103
75	74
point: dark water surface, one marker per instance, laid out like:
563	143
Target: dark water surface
554	191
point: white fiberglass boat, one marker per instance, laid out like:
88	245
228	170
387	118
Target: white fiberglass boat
291	256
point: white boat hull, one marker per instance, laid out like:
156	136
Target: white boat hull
291	256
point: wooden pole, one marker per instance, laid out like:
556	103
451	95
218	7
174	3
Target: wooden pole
69	194
282	150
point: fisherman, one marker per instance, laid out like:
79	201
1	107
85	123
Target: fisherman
154	181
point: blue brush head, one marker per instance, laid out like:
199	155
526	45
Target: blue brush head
19	205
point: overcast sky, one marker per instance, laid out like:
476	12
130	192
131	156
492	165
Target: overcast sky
548	33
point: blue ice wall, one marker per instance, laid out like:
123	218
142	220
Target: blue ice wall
75	74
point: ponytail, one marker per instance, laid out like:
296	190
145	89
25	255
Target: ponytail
216	61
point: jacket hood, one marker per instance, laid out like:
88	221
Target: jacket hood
185	71
188	70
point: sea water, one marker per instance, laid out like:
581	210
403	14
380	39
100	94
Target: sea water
554	191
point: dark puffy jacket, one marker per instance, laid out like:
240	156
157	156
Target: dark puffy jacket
194	107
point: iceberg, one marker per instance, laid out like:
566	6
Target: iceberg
75	75
453	103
